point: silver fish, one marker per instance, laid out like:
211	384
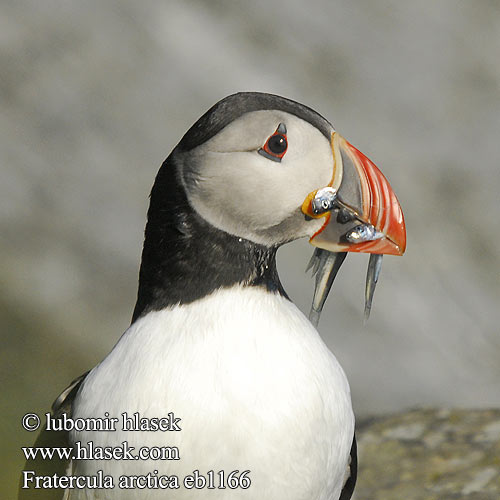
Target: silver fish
363	232
372	274
324	200
325	265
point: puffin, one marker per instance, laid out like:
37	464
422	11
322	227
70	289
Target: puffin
253	403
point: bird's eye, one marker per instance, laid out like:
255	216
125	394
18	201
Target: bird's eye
276	146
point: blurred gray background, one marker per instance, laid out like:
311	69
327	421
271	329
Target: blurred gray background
95	94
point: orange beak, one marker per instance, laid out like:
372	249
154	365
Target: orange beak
362	213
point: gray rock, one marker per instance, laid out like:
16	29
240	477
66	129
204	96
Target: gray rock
430	455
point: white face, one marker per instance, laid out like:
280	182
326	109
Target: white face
239	191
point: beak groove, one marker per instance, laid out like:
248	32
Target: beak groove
381	208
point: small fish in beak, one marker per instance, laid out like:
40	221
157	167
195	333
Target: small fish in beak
325	265
362	214
372	274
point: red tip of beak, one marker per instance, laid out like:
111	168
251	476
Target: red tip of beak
381	208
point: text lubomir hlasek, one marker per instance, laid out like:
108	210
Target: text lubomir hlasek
128	423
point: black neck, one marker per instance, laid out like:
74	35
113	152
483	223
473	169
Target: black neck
185	258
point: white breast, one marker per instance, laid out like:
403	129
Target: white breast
256	389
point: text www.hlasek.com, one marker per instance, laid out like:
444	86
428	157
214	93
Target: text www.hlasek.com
92	452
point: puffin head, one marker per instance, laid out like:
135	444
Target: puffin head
271	170
254	172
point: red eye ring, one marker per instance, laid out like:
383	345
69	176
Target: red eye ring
276	145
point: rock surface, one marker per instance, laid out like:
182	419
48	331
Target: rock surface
430	455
